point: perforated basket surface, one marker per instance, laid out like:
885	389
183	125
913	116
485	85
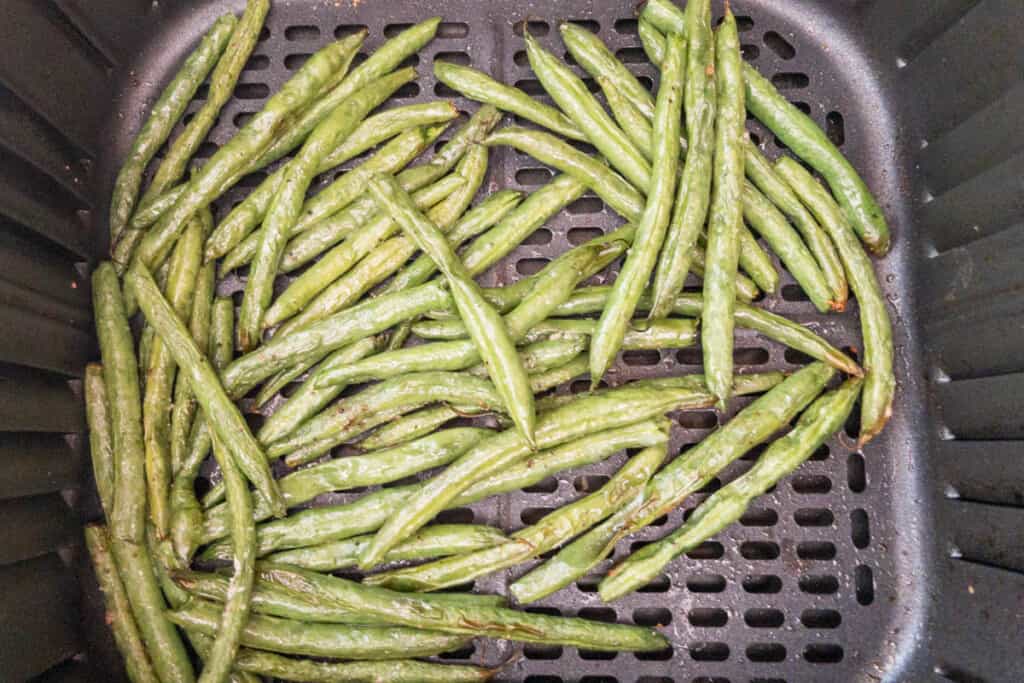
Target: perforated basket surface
840	572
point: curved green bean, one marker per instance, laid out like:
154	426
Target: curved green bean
101	438
762	215
310	290
164	114
222	415
186	514
876	328
320	640
431	542
761	173
183	270
548	149
278	667
725	214
575	419
666	17
236	238
636	271
571	95
229	629
478	86
222	86
550	532
485	326
802	135
233	157
120	374
822	419
118	611
498	622
380	467
651	40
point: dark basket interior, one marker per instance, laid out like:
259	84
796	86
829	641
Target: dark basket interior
901	563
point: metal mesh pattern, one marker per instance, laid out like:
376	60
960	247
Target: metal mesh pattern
793	592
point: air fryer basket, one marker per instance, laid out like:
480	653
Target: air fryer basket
901	563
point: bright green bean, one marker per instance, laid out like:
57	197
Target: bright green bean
236	238
321	640
408	610
164	114
548	149
822	419
478	86
630	120
221	88
762	215
725	215
876	328
653	223
439	540
761	173
120	373
221	414
587	414
666	17
651	40
101	438
118	611
387	124
247	144
571	95
550	532
485	326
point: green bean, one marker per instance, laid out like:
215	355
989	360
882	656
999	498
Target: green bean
591	300
118	611
326	234
247	144
636	271
822	419
876	328
550	532
310	285
476	85
651	40
101	438
587	414
593	55
725	214
666	17
674	482
630	120
485	215
222	86
243	540
321	640
394	671
383	60
221	414
761	173
756	262
166	651
803	136
389	123
485	326
746	290
406	427
431	542
120	375
236	238
657	334
571	95
286	207
548	149
184	406
186	514
160	373
380	467
408	610
784	240
543	355
277	601
164	114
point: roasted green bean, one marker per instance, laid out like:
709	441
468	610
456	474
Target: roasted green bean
393	671
101	438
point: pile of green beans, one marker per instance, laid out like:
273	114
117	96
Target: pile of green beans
361	327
